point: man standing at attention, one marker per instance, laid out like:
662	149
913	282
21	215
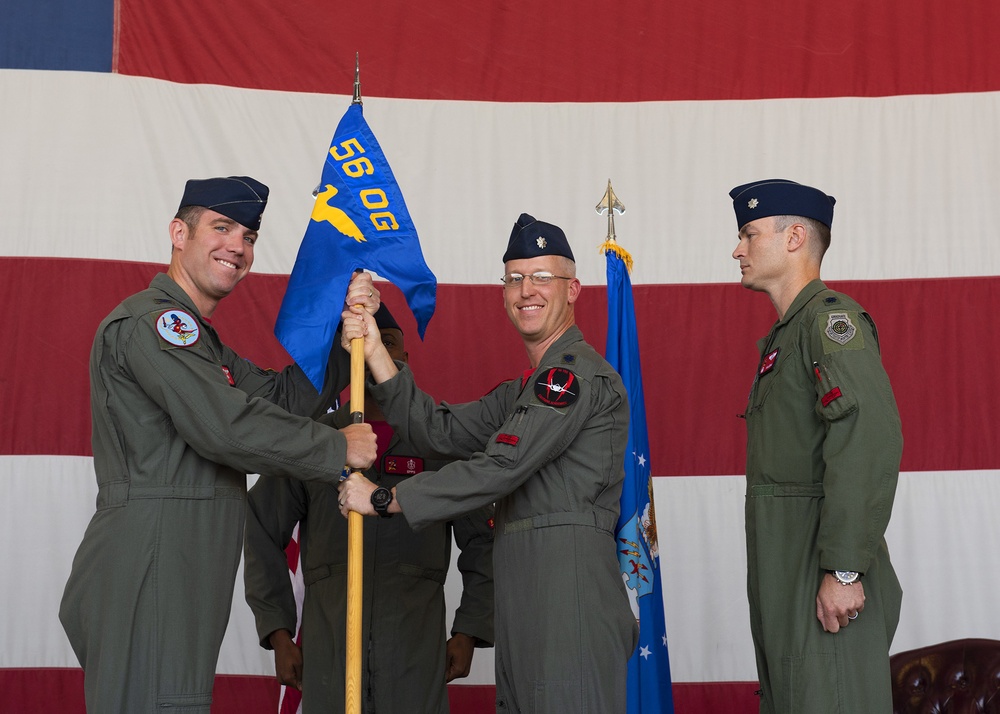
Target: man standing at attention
823	452
548	447
179	419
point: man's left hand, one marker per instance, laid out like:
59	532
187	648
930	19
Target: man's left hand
459	656
837	604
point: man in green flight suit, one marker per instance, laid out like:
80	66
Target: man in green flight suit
548	447
406	660
179	419
823	450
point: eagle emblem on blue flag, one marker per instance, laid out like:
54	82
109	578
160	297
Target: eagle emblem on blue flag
358	222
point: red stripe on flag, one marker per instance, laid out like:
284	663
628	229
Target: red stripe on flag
526	51
697	371
40	691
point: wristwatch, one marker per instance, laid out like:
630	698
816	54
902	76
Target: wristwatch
381	498
845	577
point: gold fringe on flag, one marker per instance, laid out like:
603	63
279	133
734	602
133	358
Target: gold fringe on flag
612	245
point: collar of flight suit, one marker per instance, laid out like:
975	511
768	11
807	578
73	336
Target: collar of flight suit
812	288
162	281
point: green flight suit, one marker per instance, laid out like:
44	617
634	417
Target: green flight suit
179	419
550	452
823	452
403	611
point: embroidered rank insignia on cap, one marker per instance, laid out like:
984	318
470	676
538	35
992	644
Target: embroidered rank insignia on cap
407	465
511	439
178	328
767	364
556	387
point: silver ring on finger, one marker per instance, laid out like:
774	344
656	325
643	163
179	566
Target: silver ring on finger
854	616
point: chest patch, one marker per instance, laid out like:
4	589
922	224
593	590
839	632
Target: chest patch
556	387
767	364
178	328
407	465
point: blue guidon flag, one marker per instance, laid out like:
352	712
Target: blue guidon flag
649	684
359	221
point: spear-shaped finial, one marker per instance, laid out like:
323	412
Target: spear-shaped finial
609	202
357	79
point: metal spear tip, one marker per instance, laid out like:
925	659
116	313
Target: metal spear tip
609	202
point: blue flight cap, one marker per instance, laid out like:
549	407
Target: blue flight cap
384	319
532	239
780	197
238	197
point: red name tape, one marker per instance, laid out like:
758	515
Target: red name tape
831	395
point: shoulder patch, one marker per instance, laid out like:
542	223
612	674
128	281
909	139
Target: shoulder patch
840	331
556	387
178	328
569	358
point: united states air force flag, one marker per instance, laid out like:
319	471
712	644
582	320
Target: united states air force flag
359	220
649	686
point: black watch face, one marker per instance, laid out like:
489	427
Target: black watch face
381	497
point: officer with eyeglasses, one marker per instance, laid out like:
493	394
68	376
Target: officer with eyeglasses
548	447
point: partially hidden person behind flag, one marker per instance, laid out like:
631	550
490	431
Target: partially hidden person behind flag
548	446
179	419
823	451
408	658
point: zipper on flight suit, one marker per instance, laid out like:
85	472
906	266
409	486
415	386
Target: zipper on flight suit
757	374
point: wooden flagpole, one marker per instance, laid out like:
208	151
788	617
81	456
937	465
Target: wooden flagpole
355	521
355	549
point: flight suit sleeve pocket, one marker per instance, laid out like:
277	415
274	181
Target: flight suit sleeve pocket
505	445
834	399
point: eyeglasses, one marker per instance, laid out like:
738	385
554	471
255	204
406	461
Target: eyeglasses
512	280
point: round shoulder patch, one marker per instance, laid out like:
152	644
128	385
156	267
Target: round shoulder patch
556	387
178	328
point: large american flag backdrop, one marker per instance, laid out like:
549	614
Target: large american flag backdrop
487	110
